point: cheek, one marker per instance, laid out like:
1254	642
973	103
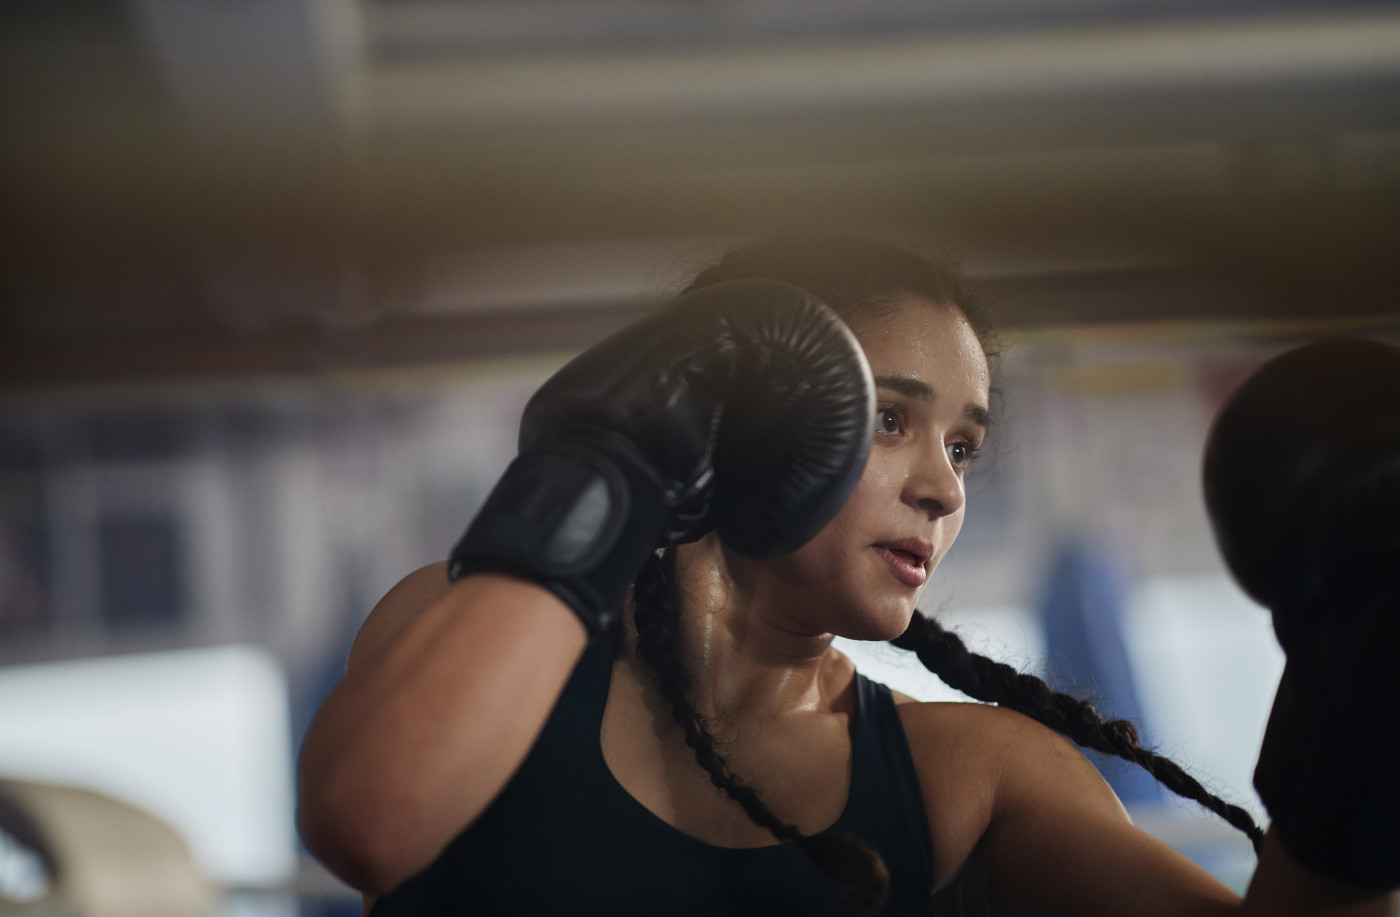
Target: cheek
823	559
871	491
817	562
827	556
952	525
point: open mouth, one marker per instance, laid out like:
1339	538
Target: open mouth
906	561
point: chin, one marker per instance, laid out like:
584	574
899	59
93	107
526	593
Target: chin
881	627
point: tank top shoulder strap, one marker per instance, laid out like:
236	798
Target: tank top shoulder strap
886	805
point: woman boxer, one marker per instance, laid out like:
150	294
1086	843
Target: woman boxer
527	733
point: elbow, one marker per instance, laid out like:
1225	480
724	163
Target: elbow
352	832
357	848
370	818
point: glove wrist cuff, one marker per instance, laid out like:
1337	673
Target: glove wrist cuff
578	516
1327	777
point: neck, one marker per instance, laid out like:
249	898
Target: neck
743	657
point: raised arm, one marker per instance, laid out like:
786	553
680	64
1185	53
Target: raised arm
744	408
446	689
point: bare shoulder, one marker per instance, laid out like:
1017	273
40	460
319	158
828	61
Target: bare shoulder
938	728
1008	743
1001	756
979	765
957	750
399	607
1028	825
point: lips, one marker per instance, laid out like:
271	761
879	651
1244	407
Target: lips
907	559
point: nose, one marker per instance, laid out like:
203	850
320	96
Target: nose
933	486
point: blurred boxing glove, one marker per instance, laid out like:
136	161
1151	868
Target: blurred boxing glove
1302	483
744	407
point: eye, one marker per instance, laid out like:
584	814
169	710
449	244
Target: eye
889	421
960	453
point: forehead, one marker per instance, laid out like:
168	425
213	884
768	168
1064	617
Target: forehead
930	342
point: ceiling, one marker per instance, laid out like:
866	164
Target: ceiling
196	187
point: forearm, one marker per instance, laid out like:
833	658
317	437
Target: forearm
1109	871
420	736
1282	888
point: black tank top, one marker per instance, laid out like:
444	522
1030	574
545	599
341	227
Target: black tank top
564	837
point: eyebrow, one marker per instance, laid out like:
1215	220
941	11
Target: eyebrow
919	390
907	386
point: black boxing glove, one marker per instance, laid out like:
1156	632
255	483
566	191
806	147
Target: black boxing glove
744	407
1302	482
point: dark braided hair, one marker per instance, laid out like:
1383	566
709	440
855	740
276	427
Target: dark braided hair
861	279
943	653
855	867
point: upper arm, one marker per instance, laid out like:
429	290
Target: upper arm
1034	829
1060	842
397	610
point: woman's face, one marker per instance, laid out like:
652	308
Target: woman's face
861	576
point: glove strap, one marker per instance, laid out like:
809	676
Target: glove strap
1330	779
578	516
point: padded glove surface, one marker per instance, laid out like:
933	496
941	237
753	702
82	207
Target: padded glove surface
744	407
1302	483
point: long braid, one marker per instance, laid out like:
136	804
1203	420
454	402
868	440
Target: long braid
855	867
943	653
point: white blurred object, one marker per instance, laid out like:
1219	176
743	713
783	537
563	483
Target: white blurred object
1207	665
1011	635
200	738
